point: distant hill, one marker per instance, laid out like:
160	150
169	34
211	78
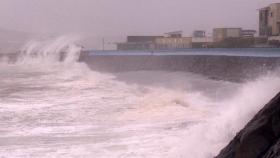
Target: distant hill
11	41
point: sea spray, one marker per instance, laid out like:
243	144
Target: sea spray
50	51
206	139
54	106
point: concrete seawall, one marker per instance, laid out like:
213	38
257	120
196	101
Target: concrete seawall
233	68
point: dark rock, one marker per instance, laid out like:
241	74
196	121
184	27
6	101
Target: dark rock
260	137
274	151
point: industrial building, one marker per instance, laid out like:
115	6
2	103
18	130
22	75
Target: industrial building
138	43
269	20
135	46
173	43
174	34
269	24
199	33
248	33
233	38
220	34
171	40
199	40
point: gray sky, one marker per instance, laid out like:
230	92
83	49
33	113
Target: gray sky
125	17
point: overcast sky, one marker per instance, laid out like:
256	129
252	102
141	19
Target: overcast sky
125	17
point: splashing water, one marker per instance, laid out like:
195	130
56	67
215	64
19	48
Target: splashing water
53	106
60	50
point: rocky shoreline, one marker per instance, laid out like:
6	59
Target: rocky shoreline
260	138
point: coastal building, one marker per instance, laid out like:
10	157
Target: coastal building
269	24
171	40
199	33
200	40
132	39
269	20
138	43
174	34
173	43
248	33
135	46
220	34
233	38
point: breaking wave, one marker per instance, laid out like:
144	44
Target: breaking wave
51	105
52	51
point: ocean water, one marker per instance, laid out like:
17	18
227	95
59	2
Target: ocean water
58	107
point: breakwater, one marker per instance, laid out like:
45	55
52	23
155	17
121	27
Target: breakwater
233	68
220	67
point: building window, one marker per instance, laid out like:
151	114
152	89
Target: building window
271	14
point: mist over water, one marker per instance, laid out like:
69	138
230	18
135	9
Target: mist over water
51	105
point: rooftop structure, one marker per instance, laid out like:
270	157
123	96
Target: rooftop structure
199	33
142	38
175	34
248	33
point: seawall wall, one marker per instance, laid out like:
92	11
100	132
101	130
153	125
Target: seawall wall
235	68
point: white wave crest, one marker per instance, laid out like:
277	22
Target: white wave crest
51	51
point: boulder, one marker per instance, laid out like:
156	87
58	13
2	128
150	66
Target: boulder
260	138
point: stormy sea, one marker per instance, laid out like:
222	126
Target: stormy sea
54	105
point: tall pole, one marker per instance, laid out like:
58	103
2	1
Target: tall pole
103	44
